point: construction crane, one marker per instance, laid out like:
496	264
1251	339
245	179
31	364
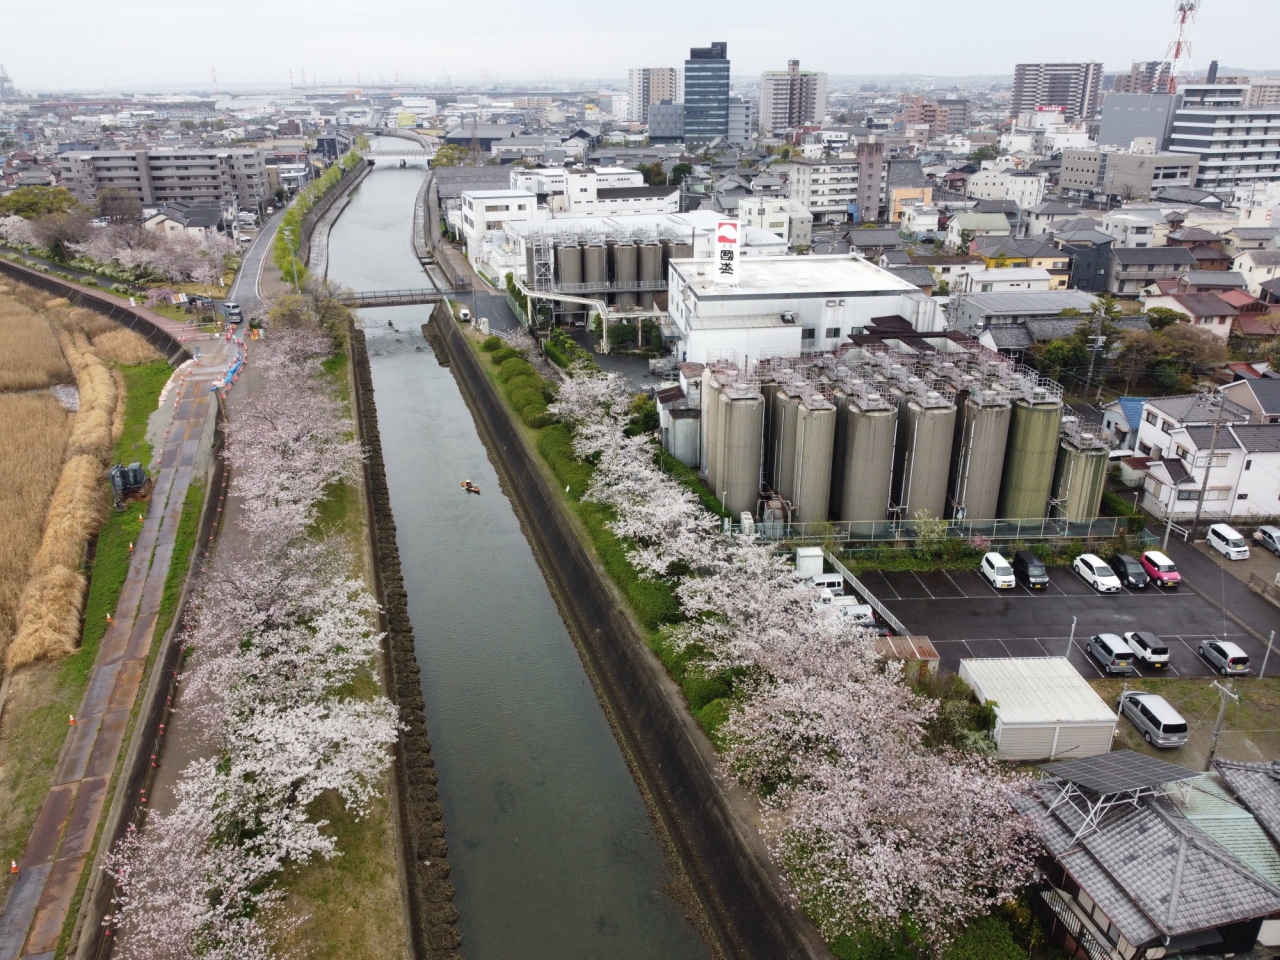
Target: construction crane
1178	57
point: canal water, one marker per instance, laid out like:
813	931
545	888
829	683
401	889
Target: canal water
553	854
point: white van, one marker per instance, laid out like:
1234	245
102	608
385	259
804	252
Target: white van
861	614
828	581
1228	542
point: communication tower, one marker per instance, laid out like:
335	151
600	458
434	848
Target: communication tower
1178	57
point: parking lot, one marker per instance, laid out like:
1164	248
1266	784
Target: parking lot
966	617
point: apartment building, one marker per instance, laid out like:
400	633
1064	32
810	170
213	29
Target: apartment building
1076	87
165	175
742	121
840	189
649	85
1023	187
1149	76
1130	269
941	116
1098	174
1237	145
791	98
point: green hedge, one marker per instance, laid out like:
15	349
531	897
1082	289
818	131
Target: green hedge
501	356
515	367
1114	505
491	344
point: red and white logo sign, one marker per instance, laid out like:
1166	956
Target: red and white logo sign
726	262
726	232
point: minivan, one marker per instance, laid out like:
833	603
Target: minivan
1029	570
1268	538
1228	542
1112	653
996	570
1225	656
1161	725
828	581
1148	648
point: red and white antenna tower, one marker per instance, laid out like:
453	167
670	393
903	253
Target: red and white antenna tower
1178	57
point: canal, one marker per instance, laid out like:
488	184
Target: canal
552	851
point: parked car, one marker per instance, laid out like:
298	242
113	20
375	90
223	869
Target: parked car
1111	652
1148	648
828	581
1268	538
464	315
1128	570
1096	573
1225	656
1161	725
995	568
1160	569
231	309
1228	542
1029	570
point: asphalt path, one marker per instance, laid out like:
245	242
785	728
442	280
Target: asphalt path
244	289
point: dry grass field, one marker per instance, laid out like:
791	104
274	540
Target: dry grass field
30	357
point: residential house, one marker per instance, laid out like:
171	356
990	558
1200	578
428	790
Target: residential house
1023	187
1270	291
964	227
905	183
993	280
1016	339
1000	252
1260	395
1206	247
922	277
1042	218
1258	327
873	241
919	219
1090	252
1257	267
1131	227
1240	239
979	311
1130	269
1207	311
943	267
1146	859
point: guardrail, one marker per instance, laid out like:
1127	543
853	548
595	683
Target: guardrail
872	600
885	531
1267	588
390	298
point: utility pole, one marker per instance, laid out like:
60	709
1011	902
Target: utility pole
1071	641
1208	467
1225	693
1267	656
1095	346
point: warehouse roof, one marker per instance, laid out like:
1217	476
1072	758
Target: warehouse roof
1035	690
761	277
1045	302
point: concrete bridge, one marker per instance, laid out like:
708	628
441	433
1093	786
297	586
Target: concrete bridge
390	298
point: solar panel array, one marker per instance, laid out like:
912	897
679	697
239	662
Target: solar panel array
1117	772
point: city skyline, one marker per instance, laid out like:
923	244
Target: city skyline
406	44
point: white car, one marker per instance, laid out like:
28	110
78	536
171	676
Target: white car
1096	573
997	571
1148	648
1228	542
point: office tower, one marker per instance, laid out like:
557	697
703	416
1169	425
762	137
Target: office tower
650	85
791	98
706	93
1076	87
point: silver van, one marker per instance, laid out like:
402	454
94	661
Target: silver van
1111	652
1161	725
828	581
1228	542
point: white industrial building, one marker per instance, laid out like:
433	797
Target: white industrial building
783	306
1044	709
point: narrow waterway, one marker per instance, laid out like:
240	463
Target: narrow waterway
552	851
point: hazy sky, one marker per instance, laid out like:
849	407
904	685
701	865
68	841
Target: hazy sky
91	44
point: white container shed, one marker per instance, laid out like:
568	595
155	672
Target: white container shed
1044	708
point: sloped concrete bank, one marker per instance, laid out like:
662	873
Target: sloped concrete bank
430	911
745	912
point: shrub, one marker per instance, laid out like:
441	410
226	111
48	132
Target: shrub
529	383
536	415
555	354
515	367
491	343
524	397
985	939
700	690
506	353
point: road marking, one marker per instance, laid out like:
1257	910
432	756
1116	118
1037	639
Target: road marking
922	586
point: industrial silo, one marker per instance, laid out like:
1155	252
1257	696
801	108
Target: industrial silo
594	270
927	434
624	274
786	403
568	264
710	426
870	430
1080	476
1030	456
769	390
815	440
529	273
650	271
978	460
741	422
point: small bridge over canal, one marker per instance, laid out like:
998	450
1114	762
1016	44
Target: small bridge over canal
390	298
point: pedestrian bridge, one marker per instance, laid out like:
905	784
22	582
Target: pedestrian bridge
390	298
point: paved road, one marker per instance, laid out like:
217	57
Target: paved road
244	289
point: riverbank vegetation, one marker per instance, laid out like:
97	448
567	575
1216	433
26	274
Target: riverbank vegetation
288	242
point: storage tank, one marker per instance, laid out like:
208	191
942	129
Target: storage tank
978	461
815	441
624	273
769	390
650	271
594	271
930	421
870	430
741	422
568	264
710	427
1080	476
786	404
1030	457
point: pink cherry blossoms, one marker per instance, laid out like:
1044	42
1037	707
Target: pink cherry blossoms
179	257
872	826
276	634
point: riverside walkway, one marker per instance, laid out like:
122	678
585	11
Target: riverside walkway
66	830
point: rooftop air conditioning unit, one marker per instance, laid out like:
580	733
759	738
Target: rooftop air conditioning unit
788	317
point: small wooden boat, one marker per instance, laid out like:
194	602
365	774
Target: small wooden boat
470	487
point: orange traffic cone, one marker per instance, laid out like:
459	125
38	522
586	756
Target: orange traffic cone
13	866
131	548
71	719
109	619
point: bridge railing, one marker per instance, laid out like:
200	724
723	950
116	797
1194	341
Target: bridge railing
389	298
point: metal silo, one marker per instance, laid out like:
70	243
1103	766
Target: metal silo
815	441
927	434
1030	456
594	271
650	271
769	390
979	455
741	422
568	263
1081	474
711	427
786	404
528	263
870	433
624	274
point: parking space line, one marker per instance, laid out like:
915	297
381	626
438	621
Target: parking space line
963	595
922	586
885	581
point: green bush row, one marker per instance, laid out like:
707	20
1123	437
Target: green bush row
284	252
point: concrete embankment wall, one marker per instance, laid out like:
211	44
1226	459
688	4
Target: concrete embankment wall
749	915
431	915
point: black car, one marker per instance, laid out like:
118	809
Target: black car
1029	571
1129	571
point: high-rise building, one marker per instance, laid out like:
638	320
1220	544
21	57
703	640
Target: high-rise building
649	85
706	93
791	98
1148	76
742	121
1238	145
1076	87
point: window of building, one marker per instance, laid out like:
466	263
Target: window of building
1144	449
1183	452
807	333
833	333
1242	496
1248	464
1188	494
1165	426
1150	417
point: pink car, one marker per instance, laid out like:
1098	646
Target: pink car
1160	569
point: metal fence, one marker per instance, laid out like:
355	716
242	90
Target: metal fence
885	614
887	531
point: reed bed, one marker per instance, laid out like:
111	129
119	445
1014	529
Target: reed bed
119	345
30	357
